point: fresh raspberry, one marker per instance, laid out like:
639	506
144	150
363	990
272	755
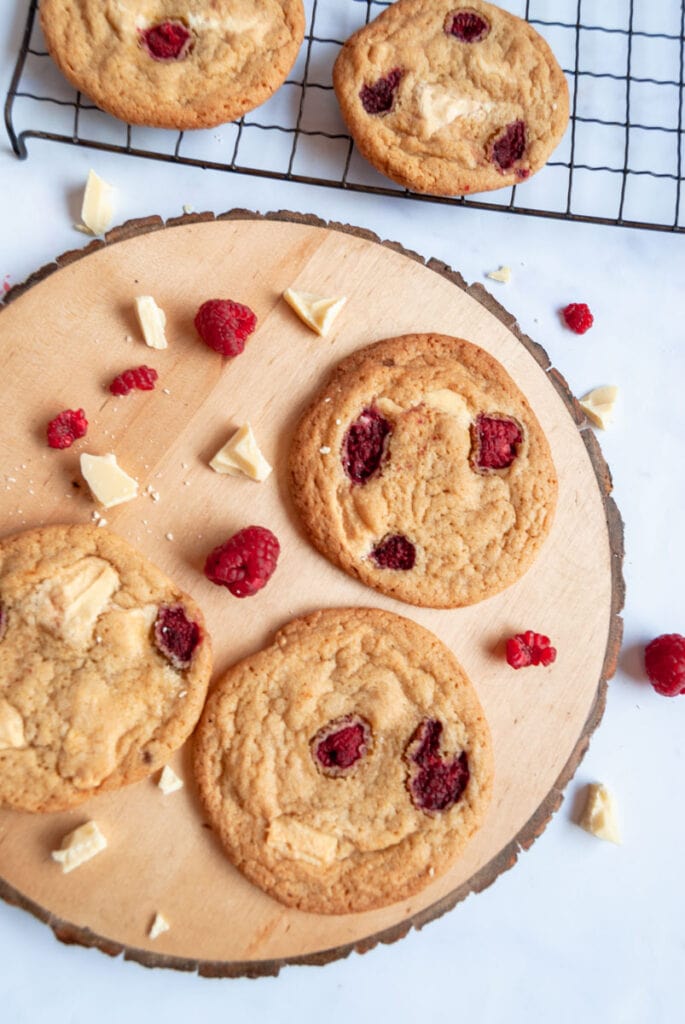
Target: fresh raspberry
339	745
169	40
379	97
468	26
224	325
435	782
3	622
141	377
665	664
494	442
246	562
509	146
66	428
578	317
530	648
364	445
394	552
176	635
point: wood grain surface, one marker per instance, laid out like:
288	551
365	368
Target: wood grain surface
64	334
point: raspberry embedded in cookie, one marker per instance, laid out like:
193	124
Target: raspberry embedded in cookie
494	442
467	25
167	41
509	146
395	551
340	745
380	97
435	782
364	445
176	636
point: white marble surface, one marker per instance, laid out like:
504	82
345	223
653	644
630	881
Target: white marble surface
579	930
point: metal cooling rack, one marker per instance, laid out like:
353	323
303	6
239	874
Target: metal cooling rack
621	161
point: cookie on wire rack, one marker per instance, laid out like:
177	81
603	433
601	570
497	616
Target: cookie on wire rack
166	65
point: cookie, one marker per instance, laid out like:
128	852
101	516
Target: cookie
449	99
346	765
104	666
190	65
421	469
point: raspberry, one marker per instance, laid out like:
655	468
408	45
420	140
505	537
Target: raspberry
530	648
394	552
66	428
224	325
169	40
665	664
468	26
379	97
494	441
578	317
339	745
509	146
141	377
435	782
3	622
364	444
176	636
246	562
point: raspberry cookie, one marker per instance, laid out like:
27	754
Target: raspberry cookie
104	666
192	64
447	98
347	764
421	469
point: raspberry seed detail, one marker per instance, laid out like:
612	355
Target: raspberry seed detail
67	427
141	378
665	664
530	648
245	562
225	325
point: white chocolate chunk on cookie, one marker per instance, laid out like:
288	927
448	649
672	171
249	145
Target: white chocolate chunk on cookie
241	455
599	404
108	482
297	841
69	605
98	205
599	814
314	310
79	846
152	321
11	727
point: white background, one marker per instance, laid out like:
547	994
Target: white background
579	930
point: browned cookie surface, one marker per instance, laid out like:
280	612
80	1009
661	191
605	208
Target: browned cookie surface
451	99
104	666
421	469
190	65
347	764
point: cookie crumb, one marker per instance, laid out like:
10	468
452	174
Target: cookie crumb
325	450
169	536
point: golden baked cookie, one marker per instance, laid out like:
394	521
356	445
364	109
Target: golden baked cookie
451	98
104	666
347	764
421	469
184	65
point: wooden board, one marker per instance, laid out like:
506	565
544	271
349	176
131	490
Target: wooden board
63	336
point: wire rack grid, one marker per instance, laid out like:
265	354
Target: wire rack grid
621	162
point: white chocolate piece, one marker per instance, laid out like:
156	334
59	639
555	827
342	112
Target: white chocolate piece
314	310
241	455
98	205
598	405
599	814
11	727
169	781
503	275
152	321
108	482
69	604
79	846
158	926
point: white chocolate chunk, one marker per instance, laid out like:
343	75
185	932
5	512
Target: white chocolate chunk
11	727
169	781
440	107
108	482
241	455
158	926
314	310
98	205
296	841
599	405
503	275
79	846
152	321
69	604
445	400
599	815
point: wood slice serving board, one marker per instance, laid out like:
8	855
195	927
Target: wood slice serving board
63	336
